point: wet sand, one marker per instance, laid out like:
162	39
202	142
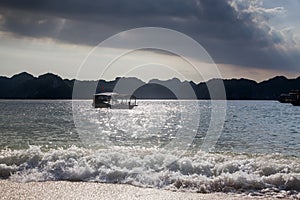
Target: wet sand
85	190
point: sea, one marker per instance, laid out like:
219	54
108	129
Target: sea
237	147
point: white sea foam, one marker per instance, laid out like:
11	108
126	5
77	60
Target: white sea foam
201	172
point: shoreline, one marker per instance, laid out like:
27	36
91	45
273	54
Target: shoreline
92	190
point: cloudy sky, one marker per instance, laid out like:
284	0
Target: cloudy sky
255	39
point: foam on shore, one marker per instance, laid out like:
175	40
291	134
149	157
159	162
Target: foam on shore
263	175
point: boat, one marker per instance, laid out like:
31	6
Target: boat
292	97
114	100
295	95
285	98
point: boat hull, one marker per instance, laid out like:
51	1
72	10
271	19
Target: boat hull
101	105
285	100
296	103
116	106
122	106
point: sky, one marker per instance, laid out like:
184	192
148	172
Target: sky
256	39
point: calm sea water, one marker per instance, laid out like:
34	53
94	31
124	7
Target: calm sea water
157	144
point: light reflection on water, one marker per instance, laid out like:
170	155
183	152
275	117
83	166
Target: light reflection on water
250	126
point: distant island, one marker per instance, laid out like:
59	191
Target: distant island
51	86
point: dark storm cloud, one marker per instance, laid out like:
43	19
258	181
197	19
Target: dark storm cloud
230	31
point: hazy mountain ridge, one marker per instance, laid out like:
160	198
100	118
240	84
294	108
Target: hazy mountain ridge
51	86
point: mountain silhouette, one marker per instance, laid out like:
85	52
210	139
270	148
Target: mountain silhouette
51	86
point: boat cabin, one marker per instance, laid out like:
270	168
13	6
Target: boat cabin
114	100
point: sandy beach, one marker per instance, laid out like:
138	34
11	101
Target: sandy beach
84	190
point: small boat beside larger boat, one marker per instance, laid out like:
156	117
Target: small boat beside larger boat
293	97
285	98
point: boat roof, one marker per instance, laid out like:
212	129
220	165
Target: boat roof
114	94
106	94
295	92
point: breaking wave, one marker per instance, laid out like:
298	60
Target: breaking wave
199	172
